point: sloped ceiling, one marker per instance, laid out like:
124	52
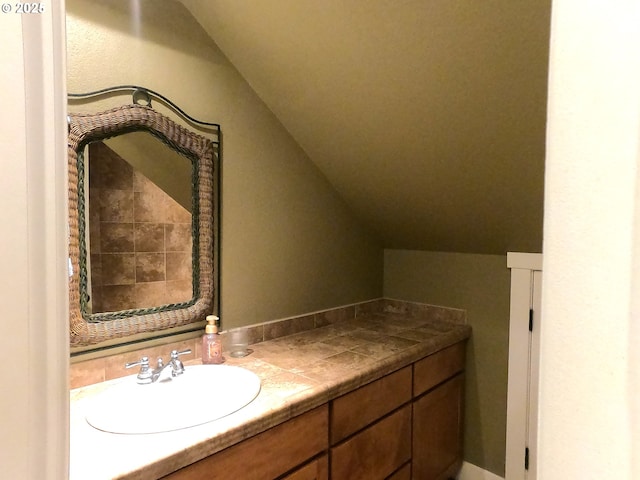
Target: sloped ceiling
427	116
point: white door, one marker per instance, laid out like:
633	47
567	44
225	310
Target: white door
524	354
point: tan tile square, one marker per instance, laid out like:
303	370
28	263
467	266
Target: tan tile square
351	360
290	361
149	237
150	206
336	315
376	351
257	366
118	268
286	384
288	327
86	373
178	291
317	351
178	237
142	184
345	342
176	213
116	206
255	334
369	307
179	266
108	169
116	298
150	294
418	335
150	267
116	237
369	335
322	371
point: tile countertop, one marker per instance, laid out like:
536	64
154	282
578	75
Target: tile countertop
298	373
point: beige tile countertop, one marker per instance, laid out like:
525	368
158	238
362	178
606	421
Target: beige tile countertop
298	372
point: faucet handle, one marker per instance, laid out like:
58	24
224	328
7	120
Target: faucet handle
143	362
144	375
175	353
177	366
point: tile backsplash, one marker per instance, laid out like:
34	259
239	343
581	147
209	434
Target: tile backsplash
106	368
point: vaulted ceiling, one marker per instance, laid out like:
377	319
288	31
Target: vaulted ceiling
427	116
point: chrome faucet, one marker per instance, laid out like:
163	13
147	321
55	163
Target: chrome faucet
148	375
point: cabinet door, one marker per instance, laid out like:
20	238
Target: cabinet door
437	431
375	452
267	455
363	406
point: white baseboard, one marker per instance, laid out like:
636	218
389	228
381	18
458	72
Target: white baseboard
471	472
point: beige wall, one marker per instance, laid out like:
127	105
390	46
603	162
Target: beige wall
589	425
289	244
480	284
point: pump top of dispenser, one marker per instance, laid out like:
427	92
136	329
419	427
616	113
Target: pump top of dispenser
212	325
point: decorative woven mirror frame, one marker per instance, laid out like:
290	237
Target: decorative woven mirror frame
88	329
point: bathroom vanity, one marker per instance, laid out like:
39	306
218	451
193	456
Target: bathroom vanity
379	396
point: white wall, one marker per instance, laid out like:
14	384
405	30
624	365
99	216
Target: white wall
589	403
33	314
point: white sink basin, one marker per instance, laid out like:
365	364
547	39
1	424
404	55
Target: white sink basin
203	393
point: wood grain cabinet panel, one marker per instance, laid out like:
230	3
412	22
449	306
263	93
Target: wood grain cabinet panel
376	452
405	425
403	474
437	431
267	455
436	368
318	469
363	406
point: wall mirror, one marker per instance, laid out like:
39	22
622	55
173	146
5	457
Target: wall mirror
143	221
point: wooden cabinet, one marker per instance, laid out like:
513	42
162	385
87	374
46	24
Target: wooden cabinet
317	469
375	452
365	443
363	406
267	455
436	368
406	425
438	415
404	473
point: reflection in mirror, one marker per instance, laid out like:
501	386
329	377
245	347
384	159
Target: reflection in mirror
138	213
141	239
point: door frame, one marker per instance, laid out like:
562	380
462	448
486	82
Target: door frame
524	355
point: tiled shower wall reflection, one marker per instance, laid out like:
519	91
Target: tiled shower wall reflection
140	238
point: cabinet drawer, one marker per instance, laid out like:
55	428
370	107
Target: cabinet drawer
315	470
436	368
363	406
377	451
267	455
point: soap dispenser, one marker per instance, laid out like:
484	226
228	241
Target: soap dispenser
211	344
